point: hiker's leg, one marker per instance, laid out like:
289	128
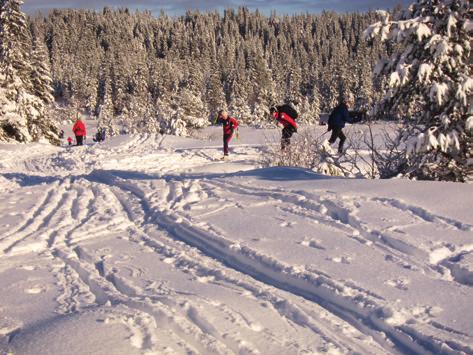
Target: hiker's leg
342	141
226	141
285	138
334	136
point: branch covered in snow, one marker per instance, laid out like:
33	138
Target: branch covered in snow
430	85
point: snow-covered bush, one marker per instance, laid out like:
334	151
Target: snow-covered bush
190	109
307	150
430	88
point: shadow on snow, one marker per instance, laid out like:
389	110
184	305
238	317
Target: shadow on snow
269	174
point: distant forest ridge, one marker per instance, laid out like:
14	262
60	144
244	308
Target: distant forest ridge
118	62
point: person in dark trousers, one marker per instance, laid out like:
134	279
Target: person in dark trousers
103	133
336	123
229	126
69	140
79	131
282	115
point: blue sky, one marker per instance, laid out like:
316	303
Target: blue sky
177	7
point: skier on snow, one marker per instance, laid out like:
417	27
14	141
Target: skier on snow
286	116
337	120
79	131
229	126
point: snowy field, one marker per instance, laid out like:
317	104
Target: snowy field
145	245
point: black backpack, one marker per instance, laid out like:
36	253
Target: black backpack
288	110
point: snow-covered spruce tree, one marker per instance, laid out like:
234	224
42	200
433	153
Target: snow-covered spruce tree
191	109
430	88
215	96
106	115
22	102
40	76
170	119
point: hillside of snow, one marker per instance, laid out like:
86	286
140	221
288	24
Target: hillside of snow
153	245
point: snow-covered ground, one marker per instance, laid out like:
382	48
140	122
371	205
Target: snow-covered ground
152	245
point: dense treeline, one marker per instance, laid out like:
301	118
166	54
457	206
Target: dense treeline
133	66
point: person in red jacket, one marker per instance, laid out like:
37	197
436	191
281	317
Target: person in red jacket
229	126
79	131
289	124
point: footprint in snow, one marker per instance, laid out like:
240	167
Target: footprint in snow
287	224
205	279
256	327
400	283
342	259
35	290
312	243
169	260
28	267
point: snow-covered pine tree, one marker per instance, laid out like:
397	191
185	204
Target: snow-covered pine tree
105	110
238	105
262	89
40	76
22	103
190	108
310	107
106	118
431	87
215	96
170	118
363	88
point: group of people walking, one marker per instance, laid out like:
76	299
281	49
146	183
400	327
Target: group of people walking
286	116
80	133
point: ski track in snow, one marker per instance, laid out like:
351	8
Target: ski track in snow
96	215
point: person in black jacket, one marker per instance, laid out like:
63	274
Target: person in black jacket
336	123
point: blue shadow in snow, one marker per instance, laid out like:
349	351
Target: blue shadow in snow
25	180
285	174
269	174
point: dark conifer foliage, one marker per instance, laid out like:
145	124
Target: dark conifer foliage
128	64
25	83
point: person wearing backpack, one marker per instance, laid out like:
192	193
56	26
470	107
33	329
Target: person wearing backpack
229	126
286	116
337	120
79	131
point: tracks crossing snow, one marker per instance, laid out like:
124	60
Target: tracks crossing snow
96	225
